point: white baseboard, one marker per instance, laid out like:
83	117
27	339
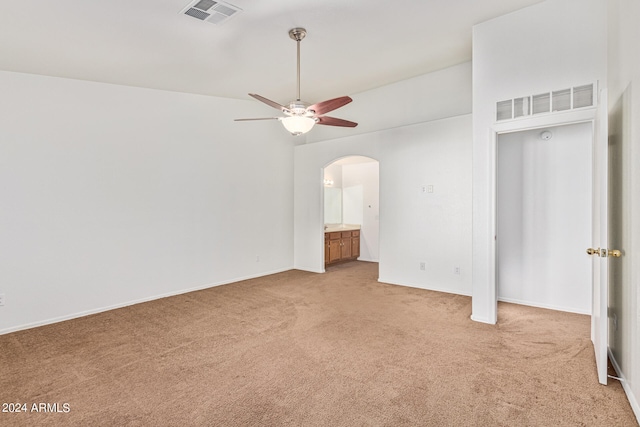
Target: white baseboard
425	287
547	306
625	386
133	302
482	320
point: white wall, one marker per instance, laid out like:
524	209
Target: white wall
553	45
365	179
624	127
372	138
415	227
112	195
544	218
431	96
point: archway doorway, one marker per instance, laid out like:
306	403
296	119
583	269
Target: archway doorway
351	200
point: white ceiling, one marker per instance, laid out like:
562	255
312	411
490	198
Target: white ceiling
351	46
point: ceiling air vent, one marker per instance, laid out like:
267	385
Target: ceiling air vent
214	12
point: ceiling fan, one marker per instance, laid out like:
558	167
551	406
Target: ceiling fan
300	117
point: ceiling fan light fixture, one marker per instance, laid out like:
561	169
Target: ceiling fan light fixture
297	125
300	116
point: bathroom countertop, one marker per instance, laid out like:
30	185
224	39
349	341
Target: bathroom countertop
331	228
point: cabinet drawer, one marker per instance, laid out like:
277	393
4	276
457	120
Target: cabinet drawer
346	234
334	236
355	233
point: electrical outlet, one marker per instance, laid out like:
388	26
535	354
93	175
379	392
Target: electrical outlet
456	270
1	299
257	258
423	266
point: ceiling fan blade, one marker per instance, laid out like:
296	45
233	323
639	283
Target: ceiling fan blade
269	102
325	106
332	121
261	118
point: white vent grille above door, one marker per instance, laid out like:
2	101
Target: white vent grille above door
583	96
541	103
561	100
505	110
214	12
521	107
548	102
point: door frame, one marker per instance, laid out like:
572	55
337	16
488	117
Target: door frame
588	129
322	196
586	115
592	115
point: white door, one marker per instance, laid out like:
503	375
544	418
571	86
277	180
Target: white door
599	251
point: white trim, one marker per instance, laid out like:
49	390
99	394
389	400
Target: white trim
309	269
138	301
482	320
426	288
546	306
493	224
560	119
368	260
556	119
625	386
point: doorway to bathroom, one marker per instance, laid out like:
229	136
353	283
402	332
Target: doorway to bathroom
351	208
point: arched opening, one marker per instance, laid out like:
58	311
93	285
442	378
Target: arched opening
351	216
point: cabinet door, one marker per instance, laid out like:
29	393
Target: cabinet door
346	247
355	246
334	250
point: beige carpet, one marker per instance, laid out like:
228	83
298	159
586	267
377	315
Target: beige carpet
304	349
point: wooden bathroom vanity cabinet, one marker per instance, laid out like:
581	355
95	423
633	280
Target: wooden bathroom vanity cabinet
341	245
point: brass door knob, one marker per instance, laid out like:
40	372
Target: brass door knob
615	253
592	251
